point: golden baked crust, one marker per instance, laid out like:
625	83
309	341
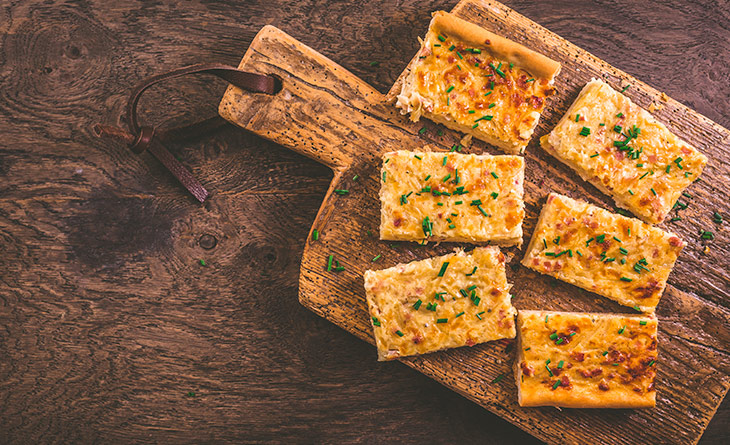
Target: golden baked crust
584	360
645	175
620	258
474	81
436	196
444	302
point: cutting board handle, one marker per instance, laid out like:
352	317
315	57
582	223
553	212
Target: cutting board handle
322	111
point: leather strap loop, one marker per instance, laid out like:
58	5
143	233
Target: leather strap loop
143	138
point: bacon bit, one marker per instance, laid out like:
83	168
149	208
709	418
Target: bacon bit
502	319
565	382
652	158
645	201
522	81
535	262
612	375
487	42
500	257
556	371
652	345
649	290
451	59
397	222
675	242
426	51
470	342
615	356
619	155
650	387
481	105
495	292
418	339
592	373
517	99
472	93
537	102
686	151
577	356
551	198
590	223
527	370
603	385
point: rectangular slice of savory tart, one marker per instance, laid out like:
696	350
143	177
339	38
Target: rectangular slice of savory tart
626	153
477	82
460	299
436	196
620	258
584	360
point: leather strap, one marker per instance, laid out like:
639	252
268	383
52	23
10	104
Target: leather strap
141	138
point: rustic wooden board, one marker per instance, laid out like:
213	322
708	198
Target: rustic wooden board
330	115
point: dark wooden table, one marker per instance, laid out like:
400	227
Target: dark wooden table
111	330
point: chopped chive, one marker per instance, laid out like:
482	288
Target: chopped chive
376	322
498	378
621	331
494	195
706	234
495	175
651	363
329	263
488	93
442	320
472	272
600	239
492	105
446	178
374	63
484	118
202	262
626	279
482	210
626	88
315	234
427	178
616	239
422	130
640	164
578	252
384	173
631	193
624	251
585	131
605	353
417	304
437	44
544	243
471	111
443	162
642	322
400	334
530	80
460	56
458	67
717	218
594	155
475	125
344	191
617	128
459	202
459	314
546	319
675	218
377	257
443	268
356	177
668	167
653	191
560	364
553	336
452	226
577	117
449	89
451	48
441	38
555	386
601	124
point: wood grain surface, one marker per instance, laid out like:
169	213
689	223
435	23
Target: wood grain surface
112	330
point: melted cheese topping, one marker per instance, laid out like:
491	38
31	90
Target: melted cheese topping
646	175
467	89
415	308
620	258
586	360
452	197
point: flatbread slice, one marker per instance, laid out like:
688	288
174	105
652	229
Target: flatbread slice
477	82
620	258
436	196
460	299
584	360
622	150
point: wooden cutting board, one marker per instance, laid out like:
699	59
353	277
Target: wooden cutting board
326	113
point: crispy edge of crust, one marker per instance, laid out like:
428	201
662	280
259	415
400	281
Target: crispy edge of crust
571	400
647	309
537	64
507	241
514	146
368	278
